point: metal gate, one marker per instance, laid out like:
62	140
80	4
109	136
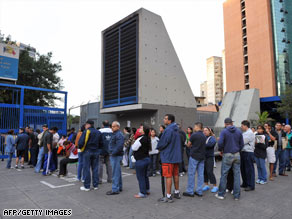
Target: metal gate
16	114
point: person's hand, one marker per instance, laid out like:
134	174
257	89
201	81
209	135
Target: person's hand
218	138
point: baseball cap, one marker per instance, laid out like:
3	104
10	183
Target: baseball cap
228	121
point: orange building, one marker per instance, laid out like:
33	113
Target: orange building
257	45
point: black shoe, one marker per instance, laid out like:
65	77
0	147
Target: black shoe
177	195
188	194
247	189
165	200
197	194
288	169
112	193
243	186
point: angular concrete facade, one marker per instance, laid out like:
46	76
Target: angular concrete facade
162	84
239	106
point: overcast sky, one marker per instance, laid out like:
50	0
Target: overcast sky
71	29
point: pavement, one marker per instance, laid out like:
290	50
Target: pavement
24	189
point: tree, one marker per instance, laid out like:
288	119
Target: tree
40	72
262	119
285	106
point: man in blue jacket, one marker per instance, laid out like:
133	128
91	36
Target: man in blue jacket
169	146
21	143
116	145
90	142
230	144
104	158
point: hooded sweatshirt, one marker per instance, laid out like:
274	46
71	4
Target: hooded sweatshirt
169	145
231	140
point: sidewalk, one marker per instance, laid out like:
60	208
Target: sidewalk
24	189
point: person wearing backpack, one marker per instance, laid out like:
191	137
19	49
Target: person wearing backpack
71	157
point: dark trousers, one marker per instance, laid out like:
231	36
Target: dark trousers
90	161
182	167
142	176
247	169
63	165
152	167
26	155
34	151
208	171
55	157
230	180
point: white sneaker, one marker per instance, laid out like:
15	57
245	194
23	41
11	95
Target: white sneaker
95	188
82	188
82	180
219	197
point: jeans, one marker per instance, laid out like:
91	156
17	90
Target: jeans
208	171
131	165
194	166
105	159
9	160
117	184
261	165
90	160
280	157
40	160
247	169
288	152
230	161
63	165
142	176
49	165
152	165
80	166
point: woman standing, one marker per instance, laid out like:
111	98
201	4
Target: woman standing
127	133
10	147
153	153
188	135
141	149
260	153
209	161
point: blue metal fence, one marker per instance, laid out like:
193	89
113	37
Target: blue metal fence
16	114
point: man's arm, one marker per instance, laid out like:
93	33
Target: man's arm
164	140
221	141
81	141
119	144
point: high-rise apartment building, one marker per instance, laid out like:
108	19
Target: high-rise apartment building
258	48
214	80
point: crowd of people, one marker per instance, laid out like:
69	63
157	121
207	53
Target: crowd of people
151	153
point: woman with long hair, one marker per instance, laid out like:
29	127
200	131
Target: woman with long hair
141	149
209	161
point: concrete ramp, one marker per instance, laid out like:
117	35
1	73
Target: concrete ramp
239	106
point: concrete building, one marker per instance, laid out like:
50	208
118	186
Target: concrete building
214	80
31	50
203	90
224	71
142	77
258	49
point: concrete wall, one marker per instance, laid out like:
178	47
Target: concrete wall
239	106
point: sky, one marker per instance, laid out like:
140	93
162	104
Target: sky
71	30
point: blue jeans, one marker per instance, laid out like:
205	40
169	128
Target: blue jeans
142	176
152	165
280	157
117	185
80	166
261	165
40	160
288	152
131	165
194	166
90	160
247	169
9	160
230	161
49	165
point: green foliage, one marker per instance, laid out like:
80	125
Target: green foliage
262	119
285	106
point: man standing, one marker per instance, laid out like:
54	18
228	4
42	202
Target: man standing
169	146
104	158
289	147
41	149
196	162
21	143
230	143
247	157
90	143
116	145
49	166
34	147
280	151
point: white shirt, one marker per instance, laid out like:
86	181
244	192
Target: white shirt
56	138
154	142
137	144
